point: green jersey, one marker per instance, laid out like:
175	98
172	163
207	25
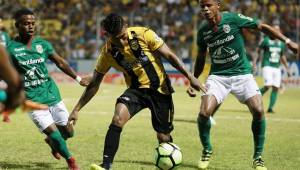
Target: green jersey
226	44
4	38
31	63
273	51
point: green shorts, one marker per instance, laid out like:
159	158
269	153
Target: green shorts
161	106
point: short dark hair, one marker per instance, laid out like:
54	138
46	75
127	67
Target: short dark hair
21	12
113	23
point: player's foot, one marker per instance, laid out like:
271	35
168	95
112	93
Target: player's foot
6	118
100	167
204	160
55	154
270	111
258	164
72	164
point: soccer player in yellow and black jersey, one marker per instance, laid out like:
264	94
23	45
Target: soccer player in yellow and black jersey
136	52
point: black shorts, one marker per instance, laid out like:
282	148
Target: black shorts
161	106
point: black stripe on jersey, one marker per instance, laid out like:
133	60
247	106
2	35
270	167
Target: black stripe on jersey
119	58
144	61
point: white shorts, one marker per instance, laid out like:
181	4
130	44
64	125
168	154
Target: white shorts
242	87
272	76
57	114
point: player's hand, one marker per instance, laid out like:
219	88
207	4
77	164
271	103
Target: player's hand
85	81
29	105
191	92
195	83
73	117
293	46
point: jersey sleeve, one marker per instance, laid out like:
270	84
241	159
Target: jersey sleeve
245	22
49	50
103	64
153	40
202	46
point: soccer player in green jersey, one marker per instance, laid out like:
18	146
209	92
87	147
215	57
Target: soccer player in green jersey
273	55
137	52
220	35
29	53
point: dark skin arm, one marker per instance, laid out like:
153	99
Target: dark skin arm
87	95
11	77
198	69
272	32
64	66
15	93
166	52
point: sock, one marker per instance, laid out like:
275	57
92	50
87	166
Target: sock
204	126
263	90
59	144
273	99
258	130
111	145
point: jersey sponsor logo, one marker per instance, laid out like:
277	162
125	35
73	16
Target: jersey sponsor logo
226	60
226	28
19	49
223	52
39	48
35	82
20	54
220	42
245	17
134	44
31	61
207	32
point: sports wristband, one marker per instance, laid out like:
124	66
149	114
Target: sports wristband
78	79
287	41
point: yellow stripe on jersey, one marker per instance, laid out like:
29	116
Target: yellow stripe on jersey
149	41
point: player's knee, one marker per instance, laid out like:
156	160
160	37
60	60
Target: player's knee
204	113
258	112
118	121
164	137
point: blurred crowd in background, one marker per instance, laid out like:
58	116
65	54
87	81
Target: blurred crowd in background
73	26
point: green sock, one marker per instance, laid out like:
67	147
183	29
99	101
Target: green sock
258	129
273	99
263	90
204	126
59	144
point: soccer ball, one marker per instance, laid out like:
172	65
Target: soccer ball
167	156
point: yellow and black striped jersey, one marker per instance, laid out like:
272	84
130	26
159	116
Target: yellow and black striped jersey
140	67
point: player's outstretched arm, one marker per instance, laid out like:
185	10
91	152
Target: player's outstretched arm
87	95
269	30
166	52
198	69
63	65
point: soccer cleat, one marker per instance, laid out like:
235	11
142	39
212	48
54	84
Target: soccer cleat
72	164
55	154
270	111
258	164
204	161
96	167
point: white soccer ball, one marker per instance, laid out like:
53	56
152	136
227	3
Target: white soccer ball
167	156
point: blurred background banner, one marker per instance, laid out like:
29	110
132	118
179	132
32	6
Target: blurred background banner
73	26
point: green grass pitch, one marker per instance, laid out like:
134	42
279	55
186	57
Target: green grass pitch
22	146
